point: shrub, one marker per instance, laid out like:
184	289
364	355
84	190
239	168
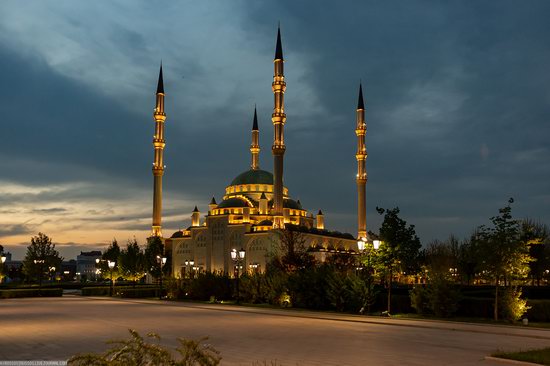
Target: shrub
512	306
476	307
419	299
34	292
136	351
442	297
95	291
539	310
209	284
136	293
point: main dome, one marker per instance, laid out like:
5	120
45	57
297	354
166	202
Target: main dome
253	177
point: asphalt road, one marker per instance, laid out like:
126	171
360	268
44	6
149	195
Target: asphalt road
57	328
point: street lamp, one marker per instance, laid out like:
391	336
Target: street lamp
161	261
238	257
41	262
362	246
189	267
3	260
52	273
111	266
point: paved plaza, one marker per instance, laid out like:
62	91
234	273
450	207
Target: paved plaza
56	328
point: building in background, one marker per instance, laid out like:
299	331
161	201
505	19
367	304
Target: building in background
86	264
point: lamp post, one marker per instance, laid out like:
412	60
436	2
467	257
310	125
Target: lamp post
238	257
3	260
111	266
41	262
362	246
161	261
52	273
189	267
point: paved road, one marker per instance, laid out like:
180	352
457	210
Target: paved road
56	328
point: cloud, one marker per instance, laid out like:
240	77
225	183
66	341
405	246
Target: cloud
442	84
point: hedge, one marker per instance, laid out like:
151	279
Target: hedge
540	310
45	292
105	290
135	293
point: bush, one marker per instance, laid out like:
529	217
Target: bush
443	297
539	310
512	306
419	299
137	293
209	284
476	307
34	292
137	351
105	290
96	291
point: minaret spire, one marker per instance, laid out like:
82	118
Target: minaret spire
158	163
361	156
279	119
255	145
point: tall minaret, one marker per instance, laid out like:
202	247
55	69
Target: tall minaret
158	164
361	155
278	118
255	145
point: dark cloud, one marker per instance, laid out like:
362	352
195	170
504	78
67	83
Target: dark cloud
457	97
9	230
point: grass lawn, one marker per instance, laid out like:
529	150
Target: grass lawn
540	356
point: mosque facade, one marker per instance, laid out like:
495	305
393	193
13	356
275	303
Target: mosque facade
256	208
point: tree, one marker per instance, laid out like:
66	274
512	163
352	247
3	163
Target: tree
293	249
132	262
400	246
441	258
111	254
505	255
537	237
468	260
154	249
41	256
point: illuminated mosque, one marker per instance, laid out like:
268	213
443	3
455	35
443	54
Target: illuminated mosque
256	205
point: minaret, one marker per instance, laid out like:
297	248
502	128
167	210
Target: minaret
255	145
158	164
320	220
196	217
278	118
361	155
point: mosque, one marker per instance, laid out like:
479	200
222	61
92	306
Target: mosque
256	207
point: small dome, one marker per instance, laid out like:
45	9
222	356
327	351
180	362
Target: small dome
177	234
253	177
290	203
233	202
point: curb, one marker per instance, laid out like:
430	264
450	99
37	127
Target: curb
510	362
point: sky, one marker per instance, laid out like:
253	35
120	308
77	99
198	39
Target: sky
457	98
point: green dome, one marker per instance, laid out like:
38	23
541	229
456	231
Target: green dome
253	177
233	202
